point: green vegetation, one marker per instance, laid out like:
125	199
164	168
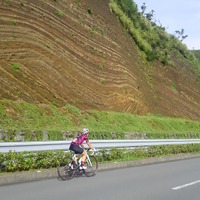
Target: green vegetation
174	85
20	115
89	10
14	66
101	31
152	39
197	54
59	13
21	3
101	66
102	81
104	56
6	41
47	45
145	152
14	22
92	30
12	162
80	22
14	36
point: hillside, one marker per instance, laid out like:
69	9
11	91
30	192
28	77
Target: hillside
77	52
197	54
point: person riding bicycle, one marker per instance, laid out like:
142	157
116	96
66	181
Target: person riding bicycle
78	148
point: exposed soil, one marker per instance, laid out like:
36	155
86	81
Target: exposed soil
87	60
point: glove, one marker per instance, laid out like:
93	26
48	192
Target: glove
93	151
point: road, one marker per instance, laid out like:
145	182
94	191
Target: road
178	180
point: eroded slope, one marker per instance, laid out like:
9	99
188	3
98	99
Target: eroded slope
77	52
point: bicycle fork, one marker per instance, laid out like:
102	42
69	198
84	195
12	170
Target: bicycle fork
88	161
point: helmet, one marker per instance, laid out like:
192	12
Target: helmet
85	131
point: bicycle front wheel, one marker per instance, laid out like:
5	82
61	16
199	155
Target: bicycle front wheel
66	168
92	166
65	172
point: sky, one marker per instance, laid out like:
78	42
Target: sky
176	15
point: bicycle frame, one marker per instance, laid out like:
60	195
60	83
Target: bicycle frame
72	167
74	158
88	160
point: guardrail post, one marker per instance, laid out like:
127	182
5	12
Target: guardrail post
20	136
45	135
5	136
34	135
67	135
1	134
114	136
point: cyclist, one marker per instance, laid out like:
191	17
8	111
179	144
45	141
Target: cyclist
78	148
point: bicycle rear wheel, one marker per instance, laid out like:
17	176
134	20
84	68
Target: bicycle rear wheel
92	166
66	169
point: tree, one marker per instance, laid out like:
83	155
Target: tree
149	15
143	7
180	34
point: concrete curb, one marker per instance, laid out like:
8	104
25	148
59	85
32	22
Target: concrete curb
14	178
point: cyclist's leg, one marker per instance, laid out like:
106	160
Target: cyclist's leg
78	150
83	157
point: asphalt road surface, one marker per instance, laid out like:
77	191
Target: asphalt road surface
177	180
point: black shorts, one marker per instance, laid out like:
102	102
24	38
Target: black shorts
76	148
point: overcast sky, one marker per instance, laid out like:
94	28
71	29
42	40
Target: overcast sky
175	15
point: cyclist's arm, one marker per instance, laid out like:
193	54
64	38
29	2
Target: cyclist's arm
82	146
89	145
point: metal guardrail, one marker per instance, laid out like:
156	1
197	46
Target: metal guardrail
98	144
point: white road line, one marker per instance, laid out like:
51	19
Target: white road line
186	185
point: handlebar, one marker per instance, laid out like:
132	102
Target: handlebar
93	151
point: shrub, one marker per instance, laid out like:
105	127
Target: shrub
11	162
14	66
14	22
59	13
89	10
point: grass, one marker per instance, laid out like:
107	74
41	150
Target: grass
20	115
102	81
90	11
14	66
59	13
101	66
92	31
47	45
174	85
101	31
14	22
6	41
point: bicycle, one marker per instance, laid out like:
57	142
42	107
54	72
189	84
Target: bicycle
69	166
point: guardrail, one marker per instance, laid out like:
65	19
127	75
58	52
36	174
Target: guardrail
98	144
